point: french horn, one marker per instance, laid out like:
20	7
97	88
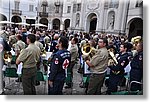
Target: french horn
7	56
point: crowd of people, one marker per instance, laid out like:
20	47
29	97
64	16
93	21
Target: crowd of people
66	48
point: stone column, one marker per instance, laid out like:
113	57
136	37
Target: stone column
61	26
101	20
82	15
124	16
119	17
49	24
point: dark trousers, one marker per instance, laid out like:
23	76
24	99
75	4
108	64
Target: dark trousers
57	88
28	80
114	81
95	83
136	75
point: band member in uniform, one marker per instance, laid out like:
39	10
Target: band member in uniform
38	43
60	62
136	73
19	45
74	54
24	34
98	66
117	71
29	57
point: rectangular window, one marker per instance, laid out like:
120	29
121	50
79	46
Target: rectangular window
114	4
57	9
74	8
31	7
106	4
78	7
44	8
68	9
17	5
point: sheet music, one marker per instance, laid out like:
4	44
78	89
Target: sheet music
127	68
19	70
48	54
86	69
4	67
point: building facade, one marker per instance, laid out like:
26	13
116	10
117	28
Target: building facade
102	16
18	11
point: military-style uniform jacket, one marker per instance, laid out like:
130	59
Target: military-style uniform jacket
123	61
100	61
20	45
60	61
39	44
30	56
137	65
74	52
53	46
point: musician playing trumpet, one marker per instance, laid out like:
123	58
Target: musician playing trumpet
117	71
98	65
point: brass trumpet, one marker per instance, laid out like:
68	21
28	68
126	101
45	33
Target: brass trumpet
7	56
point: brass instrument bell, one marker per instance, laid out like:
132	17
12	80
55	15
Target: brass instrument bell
87	50
136	39
7	56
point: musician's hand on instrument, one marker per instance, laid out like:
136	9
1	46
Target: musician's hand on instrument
85	57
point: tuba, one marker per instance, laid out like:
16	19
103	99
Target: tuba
112	60
7	56
88	51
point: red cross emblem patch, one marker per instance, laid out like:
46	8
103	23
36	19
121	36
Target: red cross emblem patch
56	61
65	63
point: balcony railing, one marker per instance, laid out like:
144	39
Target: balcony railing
16	12
43	14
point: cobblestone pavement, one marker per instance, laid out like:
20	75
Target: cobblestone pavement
15	88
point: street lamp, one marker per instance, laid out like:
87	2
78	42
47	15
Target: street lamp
9	12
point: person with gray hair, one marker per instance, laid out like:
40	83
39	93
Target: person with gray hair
53	47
